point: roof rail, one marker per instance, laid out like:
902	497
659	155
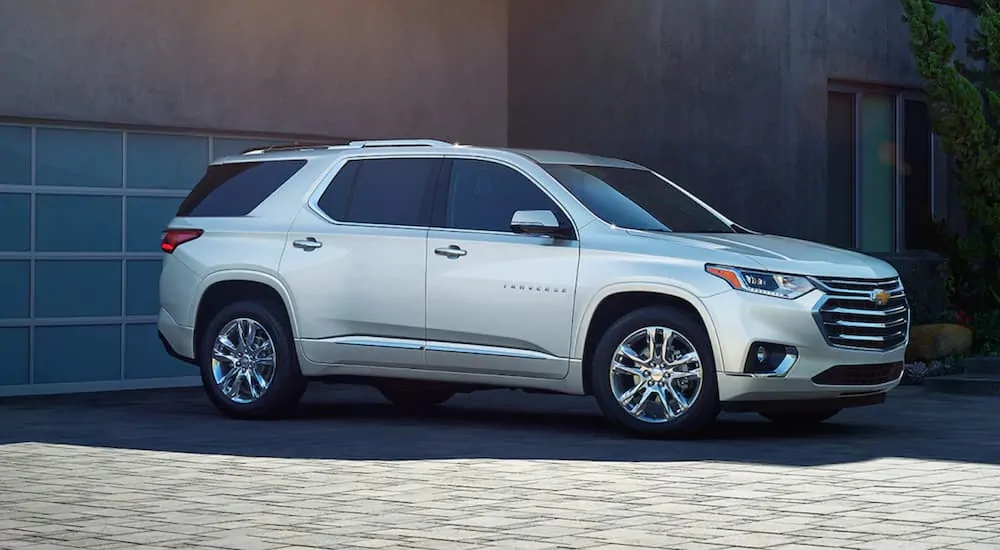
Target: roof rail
293	147
400	143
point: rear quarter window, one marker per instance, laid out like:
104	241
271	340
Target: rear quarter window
235	189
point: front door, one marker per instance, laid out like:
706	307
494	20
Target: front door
497	302
355	264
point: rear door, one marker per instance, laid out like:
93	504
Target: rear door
356	264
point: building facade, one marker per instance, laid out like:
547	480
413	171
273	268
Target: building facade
798	117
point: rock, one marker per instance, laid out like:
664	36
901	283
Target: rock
929	342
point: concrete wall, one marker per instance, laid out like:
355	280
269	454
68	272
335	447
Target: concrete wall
730	103
371	68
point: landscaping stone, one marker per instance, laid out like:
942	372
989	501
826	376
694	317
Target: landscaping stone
937	341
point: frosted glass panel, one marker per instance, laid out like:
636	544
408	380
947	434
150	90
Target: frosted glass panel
83	158
877	173
165	162
15	155
78	223
103	362
15	222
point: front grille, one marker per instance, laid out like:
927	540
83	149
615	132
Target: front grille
850	318
859	375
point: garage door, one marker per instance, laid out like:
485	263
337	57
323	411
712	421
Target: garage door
81	211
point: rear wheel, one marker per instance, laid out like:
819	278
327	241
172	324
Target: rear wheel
800	419
248	364
653	373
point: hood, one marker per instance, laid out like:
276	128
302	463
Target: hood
787	255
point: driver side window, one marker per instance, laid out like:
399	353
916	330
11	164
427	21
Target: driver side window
484	195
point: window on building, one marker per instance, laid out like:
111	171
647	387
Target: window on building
879	170
382	191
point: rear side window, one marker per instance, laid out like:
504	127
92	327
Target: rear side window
235	189
382	191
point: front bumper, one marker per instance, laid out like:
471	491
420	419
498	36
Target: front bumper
742	319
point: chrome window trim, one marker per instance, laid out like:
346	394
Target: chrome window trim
326	178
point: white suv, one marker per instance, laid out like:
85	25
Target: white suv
425	268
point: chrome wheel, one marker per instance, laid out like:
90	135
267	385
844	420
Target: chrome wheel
656	374
243	360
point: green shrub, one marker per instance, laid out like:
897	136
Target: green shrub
965	107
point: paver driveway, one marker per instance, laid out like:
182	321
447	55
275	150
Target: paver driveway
497	469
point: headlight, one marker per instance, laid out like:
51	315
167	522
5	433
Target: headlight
761	282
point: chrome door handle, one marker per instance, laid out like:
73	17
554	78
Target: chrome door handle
451	251
307	244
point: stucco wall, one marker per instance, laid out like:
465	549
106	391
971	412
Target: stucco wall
730	103
354	68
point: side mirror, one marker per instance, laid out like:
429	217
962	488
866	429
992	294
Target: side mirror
536	222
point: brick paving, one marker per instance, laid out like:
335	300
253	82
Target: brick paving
491	470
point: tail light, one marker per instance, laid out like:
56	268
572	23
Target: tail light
172	238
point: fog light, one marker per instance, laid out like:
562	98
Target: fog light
767	358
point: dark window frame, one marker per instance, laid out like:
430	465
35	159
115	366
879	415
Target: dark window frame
424	216
899	97
438	218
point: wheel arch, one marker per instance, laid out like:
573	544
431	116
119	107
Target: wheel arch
613	302
225	287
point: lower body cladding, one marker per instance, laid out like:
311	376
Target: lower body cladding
774	356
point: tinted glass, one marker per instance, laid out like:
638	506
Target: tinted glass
917	189
636	199
876	190
484	196
382	191
334	200
840	169
230	190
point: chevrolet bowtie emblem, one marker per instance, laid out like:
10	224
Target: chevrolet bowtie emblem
879	296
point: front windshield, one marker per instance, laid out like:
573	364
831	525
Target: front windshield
636	199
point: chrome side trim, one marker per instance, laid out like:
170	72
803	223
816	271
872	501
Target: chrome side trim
474	349
446	347
377	342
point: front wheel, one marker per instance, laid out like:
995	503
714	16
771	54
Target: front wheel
653	373
800	419
248	364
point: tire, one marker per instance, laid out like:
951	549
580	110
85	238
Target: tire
804	419
415	399
703	401
285	384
